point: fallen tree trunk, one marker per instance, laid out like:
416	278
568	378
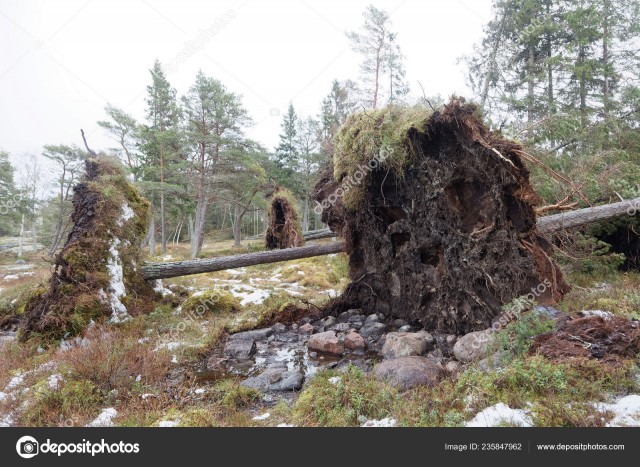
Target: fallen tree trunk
580	217
552	223
547	224
153	271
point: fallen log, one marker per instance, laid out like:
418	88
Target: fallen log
547	224
152	271
580	217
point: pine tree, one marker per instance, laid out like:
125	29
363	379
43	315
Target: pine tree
161	142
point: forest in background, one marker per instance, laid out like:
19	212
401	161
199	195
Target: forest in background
561	77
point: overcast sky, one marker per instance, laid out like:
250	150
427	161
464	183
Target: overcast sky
62	61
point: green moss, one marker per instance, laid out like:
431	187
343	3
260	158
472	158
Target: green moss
65	405
212	301
517	337
14	300
324	403
381	135
232	395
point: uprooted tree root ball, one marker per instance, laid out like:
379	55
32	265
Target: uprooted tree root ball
284	227
437	214
96	275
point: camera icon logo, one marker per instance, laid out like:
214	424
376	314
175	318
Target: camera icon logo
27	447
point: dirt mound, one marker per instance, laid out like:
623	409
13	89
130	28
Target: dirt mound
606	339
284	228
96	273
437	213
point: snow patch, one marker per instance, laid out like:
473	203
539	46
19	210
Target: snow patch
117	289
13	277
54	380
264	416
335	380
127	213
382	423
601	313
500	414
285	425
161	289
105	419
168	423
626	411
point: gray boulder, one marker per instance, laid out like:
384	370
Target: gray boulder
472	346
408	372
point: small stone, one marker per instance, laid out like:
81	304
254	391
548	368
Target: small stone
215	363
326	342
451	339
372	330
472	346
408	372
372	318
256	334
493	362
275	379
400	344
294	326
313	354
357	319
279	327
328	321
343	317
399	322
405	328
354	341
342	327
240	349
452	367
306	328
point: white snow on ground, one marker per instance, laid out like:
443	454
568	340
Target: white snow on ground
127	213
6	421
167	258
168	423
161	289
105	419
264	416
116	285
383	423
17	267
626	411
13	277
248	294
335	380
286	425
600	313
500	414
236	272
54	380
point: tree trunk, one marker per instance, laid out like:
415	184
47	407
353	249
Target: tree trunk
305	213
152	234
583	88
163	233
197	236
605	60
547	224
237	225
152	271
531	83
20	238
57	235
